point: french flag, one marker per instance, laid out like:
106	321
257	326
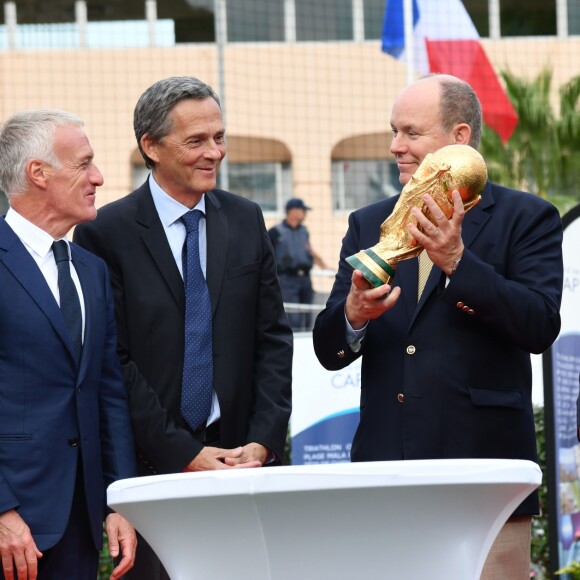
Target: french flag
446	41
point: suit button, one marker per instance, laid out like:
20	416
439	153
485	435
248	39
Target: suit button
401	398
471	311
411	349
340	354
465	309
73	442
459	305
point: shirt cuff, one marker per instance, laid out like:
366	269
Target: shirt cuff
354	337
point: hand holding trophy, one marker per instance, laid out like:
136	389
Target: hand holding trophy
454	167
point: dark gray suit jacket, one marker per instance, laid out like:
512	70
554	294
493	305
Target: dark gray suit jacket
252	342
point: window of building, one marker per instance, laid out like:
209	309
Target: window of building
193	20
324	20
363	172
358	182
478	11
374	14
573	17
261	170
30	12
268	184
255	20
540	18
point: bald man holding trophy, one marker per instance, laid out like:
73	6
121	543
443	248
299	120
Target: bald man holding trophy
455	282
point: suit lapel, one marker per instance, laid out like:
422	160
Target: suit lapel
89	299
21	264
155	240
217	246
407	278
477	217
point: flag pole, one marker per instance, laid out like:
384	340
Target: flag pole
409	44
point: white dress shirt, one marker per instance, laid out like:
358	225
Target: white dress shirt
39	245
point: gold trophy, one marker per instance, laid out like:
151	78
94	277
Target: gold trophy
452	167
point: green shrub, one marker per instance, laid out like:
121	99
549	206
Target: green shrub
573	569
105	561
540	537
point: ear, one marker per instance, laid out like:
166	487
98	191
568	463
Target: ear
37	173
149	146
462	133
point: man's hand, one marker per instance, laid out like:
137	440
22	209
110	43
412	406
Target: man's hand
122	541
17	548
365	303
210	458
252	453
441	238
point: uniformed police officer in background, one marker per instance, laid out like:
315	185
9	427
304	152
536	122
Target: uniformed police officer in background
295	258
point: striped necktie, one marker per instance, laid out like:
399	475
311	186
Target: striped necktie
425	265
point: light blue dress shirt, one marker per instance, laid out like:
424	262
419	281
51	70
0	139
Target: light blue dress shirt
170	212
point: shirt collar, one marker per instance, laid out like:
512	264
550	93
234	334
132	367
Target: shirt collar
34	237
169	209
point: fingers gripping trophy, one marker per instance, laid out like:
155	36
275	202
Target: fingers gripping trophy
454	167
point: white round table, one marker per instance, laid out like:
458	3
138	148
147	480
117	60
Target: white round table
400	520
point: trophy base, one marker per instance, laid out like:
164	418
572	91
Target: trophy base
372	266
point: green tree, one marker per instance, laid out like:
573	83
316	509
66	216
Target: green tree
543	154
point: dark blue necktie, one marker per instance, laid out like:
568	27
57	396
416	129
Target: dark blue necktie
70	305
197	384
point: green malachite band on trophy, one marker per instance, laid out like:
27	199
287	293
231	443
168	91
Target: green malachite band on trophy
380	262
367	273
358	263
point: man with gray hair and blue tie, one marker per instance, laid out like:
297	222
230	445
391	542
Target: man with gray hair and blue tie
204	342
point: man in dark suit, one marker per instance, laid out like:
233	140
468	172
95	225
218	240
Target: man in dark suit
65	430
449	376
180	133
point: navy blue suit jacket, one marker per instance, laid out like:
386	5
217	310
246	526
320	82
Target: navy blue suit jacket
47	403
460	359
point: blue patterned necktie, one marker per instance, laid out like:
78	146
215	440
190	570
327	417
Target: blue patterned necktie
70	305
197	384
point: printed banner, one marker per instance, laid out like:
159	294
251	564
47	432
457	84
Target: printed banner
325	407
562	371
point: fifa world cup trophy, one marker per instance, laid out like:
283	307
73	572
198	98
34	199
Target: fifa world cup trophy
452	167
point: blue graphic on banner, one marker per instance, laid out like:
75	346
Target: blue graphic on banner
328	441
565	370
